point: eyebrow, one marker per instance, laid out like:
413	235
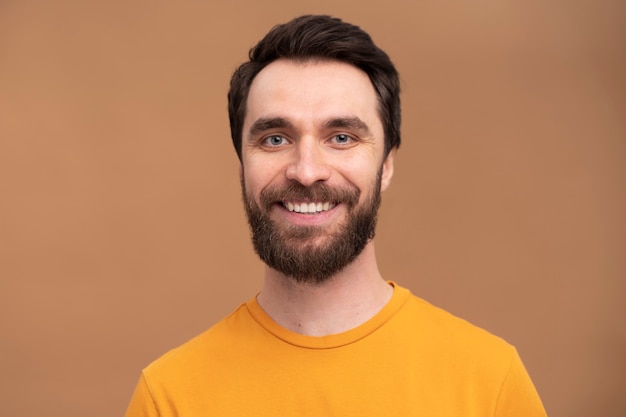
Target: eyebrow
267	123
349	123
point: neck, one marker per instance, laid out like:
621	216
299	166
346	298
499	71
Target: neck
345	301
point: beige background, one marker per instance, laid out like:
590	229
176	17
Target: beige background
121	231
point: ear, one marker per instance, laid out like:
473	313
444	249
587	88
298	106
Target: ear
387	170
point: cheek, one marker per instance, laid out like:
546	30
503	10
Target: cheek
249	186
259	172
255	177
360	172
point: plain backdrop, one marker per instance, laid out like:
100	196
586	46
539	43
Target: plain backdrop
121	228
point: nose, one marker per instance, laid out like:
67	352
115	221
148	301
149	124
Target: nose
308	164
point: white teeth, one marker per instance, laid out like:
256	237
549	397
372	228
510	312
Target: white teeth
308	207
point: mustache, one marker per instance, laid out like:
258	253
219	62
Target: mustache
317	192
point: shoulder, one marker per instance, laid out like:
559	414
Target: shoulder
202	351
452	337
458	355
177	382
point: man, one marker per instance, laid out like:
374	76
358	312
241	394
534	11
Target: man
315	120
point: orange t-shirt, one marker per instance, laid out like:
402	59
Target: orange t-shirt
411	359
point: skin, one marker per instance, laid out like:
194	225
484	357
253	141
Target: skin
308	122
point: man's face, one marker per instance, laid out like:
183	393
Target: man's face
312	166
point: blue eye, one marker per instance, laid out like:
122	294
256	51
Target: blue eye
274	140
342	139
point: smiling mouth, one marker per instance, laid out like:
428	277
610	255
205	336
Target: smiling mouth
309	208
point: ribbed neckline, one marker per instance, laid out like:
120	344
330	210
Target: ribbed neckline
399	297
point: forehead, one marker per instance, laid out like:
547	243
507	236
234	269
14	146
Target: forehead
311	91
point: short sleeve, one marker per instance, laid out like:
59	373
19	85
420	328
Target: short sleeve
142	403
518	396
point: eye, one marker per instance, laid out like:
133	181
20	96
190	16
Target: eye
342	139
274	140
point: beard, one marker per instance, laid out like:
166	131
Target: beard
292	249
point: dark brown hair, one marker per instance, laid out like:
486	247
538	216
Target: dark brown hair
326	38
